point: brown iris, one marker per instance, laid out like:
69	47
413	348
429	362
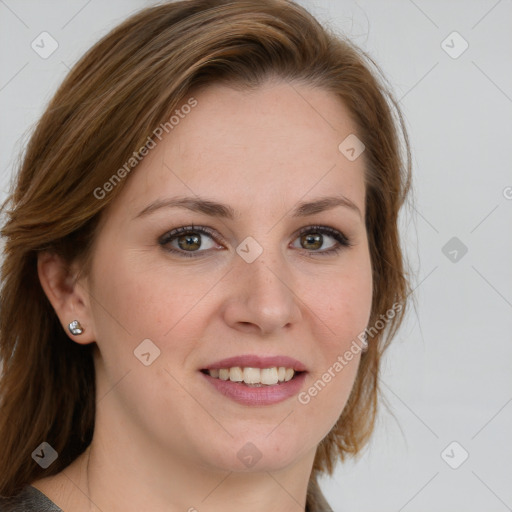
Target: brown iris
311	239
189	241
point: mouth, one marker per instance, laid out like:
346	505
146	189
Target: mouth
254	377
254	380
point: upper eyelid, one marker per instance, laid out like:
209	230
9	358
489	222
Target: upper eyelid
204	230
327	229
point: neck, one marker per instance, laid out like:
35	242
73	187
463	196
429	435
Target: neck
117	475
124	482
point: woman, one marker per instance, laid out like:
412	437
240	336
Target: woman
202	267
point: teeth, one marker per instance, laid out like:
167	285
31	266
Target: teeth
236	374
269	376
254	376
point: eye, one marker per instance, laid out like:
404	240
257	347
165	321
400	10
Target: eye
187	240
313	237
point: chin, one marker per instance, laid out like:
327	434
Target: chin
258	452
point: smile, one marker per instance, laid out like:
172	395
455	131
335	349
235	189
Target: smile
254	376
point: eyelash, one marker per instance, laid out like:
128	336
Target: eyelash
343	241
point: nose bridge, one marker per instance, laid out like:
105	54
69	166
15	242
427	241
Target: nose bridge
267	277
264	286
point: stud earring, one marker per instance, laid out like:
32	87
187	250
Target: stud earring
75	328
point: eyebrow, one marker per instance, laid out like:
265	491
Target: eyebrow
216	209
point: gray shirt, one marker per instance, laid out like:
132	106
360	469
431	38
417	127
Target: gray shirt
29	499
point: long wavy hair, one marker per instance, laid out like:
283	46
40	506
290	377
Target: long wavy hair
114	98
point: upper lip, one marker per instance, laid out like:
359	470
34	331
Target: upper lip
255	361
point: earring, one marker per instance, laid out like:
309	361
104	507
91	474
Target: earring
75	328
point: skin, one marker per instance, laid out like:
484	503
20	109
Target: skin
164	439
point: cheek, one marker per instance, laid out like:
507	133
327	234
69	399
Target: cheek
342	301
134	301
342	305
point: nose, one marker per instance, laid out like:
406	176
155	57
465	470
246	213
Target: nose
262	299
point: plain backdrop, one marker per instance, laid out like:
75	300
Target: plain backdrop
446	446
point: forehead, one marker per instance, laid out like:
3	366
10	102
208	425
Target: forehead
278	141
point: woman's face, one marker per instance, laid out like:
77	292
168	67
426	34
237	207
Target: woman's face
262	287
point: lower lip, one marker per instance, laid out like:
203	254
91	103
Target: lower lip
264	395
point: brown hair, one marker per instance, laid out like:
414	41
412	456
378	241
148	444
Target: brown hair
110	103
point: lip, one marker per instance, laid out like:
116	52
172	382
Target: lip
255	361
256	396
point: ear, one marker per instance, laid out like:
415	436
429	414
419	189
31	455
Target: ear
68	296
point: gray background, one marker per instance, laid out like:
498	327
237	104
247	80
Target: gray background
447	376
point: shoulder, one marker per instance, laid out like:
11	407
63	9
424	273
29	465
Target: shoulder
29	499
